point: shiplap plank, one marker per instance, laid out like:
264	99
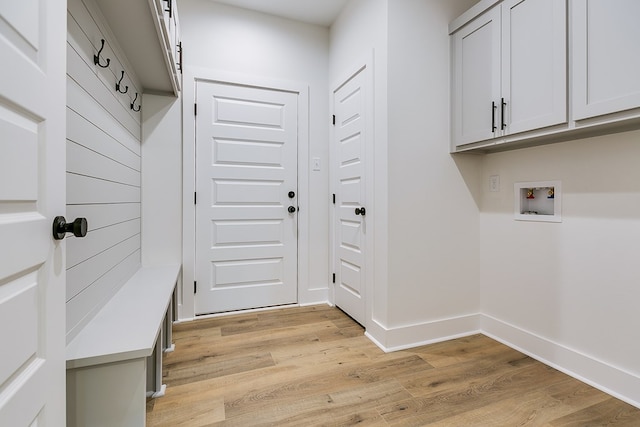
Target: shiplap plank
86	190
78	42
83	132
104	215
82	103
77	37
103	166
85	32
107	97
86	304
98	241
83	161
86	273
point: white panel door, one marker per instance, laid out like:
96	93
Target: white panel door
246	184
534	64
606	58
350	224
32	193
476	85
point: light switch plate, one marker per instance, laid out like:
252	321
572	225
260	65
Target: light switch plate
494	183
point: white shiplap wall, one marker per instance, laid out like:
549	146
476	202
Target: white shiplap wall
103	166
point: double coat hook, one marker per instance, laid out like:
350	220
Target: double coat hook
96	58
133	102
118	85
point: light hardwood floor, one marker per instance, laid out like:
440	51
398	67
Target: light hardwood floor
313	366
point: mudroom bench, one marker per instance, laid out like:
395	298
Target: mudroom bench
115	362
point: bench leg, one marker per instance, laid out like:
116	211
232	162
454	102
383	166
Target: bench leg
168	328
154	373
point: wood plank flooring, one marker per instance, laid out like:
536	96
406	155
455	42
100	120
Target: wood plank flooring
313	366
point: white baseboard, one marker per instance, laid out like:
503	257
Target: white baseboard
615	381
403	337
612	380
313	297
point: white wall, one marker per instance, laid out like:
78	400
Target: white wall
103	167
568	292
433	216
232	40
360	33
161	180
426	224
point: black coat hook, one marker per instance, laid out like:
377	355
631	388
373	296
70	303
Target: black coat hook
133	102
126	88
96	58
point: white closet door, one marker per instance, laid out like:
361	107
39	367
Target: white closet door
350	138
32	193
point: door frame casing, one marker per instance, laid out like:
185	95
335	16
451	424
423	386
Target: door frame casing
191	76
365	65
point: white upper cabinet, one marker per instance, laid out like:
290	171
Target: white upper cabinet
476	88
534	64
509	70
606	57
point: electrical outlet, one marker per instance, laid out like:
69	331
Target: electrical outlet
494	183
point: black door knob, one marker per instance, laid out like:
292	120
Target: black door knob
361	211
292	194
61	227
291	209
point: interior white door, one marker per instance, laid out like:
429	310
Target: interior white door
246	186
32	193
349	184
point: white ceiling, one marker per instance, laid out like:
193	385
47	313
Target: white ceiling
319	12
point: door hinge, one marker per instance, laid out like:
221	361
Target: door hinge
334	119
195	287
195	198
195	109
334	277
334	198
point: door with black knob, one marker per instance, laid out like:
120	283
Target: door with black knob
32	193
247	207
350	233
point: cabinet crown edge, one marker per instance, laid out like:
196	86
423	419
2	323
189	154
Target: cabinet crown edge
475	11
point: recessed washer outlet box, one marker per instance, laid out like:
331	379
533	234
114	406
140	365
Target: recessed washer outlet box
538	201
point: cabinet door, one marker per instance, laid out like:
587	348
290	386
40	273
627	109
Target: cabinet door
476	84
606	57
534	71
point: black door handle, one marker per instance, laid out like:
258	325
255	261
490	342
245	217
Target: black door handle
61	227
493	117
361	211
291	209
291	194
502	122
